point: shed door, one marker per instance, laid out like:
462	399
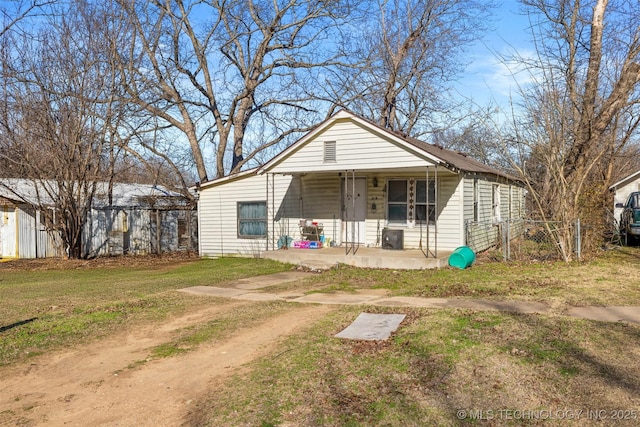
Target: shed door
8	232
354	202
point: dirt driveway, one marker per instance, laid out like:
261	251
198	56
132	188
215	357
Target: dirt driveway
104	383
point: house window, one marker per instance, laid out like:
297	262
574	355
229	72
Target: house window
397	201
252	220
495	202
330	152
408	201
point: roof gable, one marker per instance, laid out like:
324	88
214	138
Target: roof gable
364	145
357	145
625	181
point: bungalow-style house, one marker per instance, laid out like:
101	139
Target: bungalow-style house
621	191
135	219
352	184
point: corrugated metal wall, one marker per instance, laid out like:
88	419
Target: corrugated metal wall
109	231
33	240
178	231
135	231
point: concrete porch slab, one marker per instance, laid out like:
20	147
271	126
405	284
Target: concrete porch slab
364	257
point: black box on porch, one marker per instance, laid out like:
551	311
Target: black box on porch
392	239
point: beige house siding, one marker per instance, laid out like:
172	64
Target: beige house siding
468	199
355	148
485	233
319	197
218	214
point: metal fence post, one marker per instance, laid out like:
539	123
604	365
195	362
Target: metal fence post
578	240
508	237
466	232
503	235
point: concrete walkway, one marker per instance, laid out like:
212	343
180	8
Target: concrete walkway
249	289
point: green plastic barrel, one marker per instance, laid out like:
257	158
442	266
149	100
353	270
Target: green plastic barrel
462	257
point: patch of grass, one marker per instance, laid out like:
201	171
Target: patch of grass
322	380
48	309
344	286
612	279
438	362
224	325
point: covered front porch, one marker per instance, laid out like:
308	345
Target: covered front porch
393	208
363	257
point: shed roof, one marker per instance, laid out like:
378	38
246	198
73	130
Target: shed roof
40	192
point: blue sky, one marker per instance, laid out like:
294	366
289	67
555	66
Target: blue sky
486	78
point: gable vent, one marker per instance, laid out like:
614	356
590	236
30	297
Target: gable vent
329	151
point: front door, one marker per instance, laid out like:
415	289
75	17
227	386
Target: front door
354	202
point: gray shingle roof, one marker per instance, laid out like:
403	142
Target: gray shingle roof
454	160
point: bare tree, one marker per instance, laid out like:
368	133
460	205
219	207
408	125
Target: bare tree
582	112
408	56
14	12
477	139
231	73
57	116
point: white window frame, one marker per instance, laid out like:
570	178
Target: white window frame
411	202
262	220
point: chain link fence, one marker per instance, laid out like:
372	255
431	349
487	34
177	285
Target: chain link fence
523	240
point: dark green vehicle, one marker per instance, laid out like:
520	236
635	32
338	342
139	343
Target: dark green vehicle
630	219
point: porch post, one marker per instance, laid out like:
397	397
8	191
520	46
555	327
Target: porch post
435	219
273	213
355	239
345	214
427	218
437	192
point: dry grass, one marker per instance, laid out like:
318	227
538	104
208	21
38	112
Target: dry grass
611	279
442	367
51	304
437	364
455	367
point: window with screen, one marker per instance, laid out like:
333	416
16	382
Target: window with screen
252	219
410	200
